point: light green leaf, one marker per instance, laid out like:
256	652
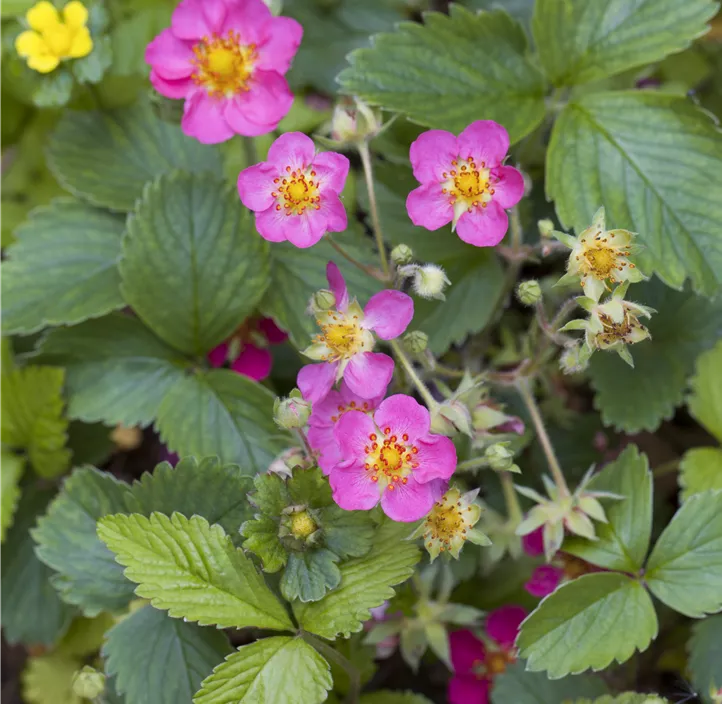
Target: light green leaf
584	40
640	398
393	697
261	538
193	266
48	679
309	575
480	71
161	660
700	470
663	151
279	669
685	567
705	655
588	623
192	570
705	401
53	90
107	158
366	582
11	470
13	8
62	267
622	543
32	417
88	576
85	635
90	68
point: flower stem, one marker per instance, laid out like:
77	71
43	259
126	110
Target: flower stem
415	378
306	444
513	508
330	653
473	463
366	269
365	155
514	267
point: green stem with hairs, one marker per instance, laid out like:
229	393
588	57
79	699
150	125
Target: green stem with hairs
513	509
423	390
365	154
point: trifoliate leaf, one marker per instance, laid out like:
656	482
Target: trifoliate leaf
705	655
11	470
705	401
193	266
581	41
685	567
32	417
639	135
347	533
48	679
623	541
66	536
588	623
392	697
107	158
640	398
479	71
366	582
157	659
279	669
192	570
261	538
700	470
309	575
62	268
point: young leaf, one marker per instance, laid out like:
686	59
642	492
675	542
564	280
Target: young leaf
623	541
705	655
106	158
581	41
11	470
192	570
705	401
159	659
48	679
685	567
62	268
309	575
193	267
278	669
700	470
88	576
480	71
588	623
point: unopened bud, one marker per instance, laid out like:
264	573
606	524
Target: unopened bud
291	413
575	359
322	300
127	438
546	227
354	121
451	417
88	683
529	292
415	341
287	461
430	281
500	457
402	254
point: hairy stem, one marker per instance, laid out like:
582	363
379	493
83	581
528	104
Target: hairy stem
473	463
330	653
366	269
306	445
423	390
513	509
365	155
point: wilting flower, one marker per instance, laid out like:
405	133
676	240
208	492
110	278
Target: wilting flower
464	183
345	342
227	59
295	194
52	39
391	456
477	662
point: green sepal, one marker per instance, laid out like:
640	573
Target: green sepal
262	540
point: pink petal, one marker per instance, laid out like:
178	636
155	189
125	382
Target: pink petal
349	396
323	441
484	141
436	458
250	18
431	154
282	39
273	225
255	185
323	411
483	227
292	149
352	433
388	313
253	362
544	580
195	19
172	89
203	119
368	374
307	229
533	543
332	170
333	212
238	113
218	355
469	690
407	502
428	207
502	625
271	331
353	489
509	189
264	104
404	415
337	284
170	57
316	380
466	651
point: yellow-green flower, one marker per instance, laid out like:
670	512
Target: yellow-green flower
53	38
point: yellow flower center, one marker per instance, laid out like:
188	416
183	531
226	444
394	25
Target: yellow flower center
497	661
602	261
390	461
296	192
223	65
59	39
600	257
302	525
342	335
468	185
445	522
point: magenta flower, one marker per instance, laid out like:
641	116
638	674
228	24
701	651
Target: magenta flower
345	342
464	183
393	457
324	417
476	664
295	194
227	58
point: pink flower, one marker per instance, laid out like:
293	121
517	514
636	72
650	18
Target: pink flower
248	348
393	457
295	194
464	183
326	413
227	58
476	664
345	342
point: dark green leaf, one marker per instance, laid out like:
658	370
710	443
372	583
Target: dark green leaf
309	575
705	655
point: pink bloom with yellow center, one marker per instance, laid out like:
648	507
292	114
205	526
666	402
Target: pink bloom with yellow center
228	59
346	339
463	182
392	457
295	194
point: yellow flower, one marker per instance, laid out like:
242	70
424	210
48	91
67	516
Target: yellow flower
51	38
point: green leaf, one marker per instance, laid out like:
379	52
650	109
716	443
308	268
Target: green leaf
48	679
390	697
623	542
13	8
517	685
685	567
705	655
279	669
663	151
705	401
309	575
261	538
107	158
640	398
62	268
192	570
90	68
480	71
347	533
86	635
588	623
32	417
366	582
193	266
161	660
581	41
700	470
11	470
54	90
626	698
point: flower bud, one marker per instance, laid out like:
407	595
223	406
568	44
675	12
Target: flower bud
450	418
500	457
127	438
291	413
430	281
529	292
546	227
575	359
354	121
402	254
321	300
415	341
88	683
